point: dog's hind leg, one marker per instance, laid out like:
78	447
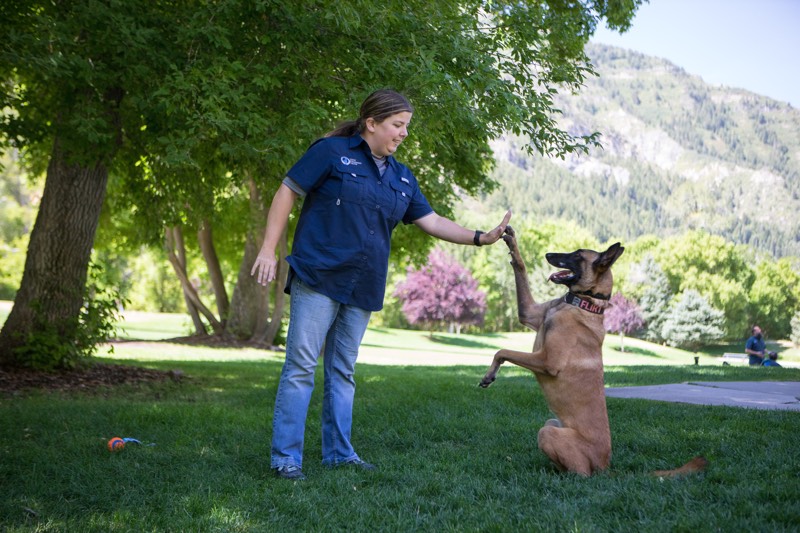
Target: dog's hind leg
571	452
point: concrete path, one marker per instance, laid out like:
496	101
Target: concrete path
780	395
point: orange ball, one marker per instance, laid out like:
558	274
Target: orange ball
116	444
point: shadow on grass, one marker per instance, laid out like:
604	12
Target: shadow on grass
638	351
385	331
461	342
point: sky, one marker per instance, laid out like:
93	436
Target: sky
746	44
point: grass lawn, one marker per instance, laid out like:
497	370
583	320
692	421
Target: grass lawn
451	456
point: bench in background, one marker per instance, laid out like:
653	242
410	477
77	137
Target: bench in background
735	359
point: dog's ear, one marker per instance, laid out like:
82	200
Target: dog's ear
608	257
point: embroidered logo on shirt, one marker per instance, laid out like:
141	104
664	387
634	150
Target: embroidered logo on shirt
404	180
347	161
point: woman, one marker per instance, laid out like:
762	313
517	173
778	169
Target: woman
355	193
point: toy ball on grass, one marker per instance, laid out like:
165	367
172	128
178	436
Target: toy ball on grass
116	444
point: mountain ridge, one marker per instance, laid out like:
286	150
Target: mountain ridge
677	154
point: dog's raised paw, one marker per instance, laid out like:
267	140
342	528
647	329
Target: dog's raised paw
485	382
509	237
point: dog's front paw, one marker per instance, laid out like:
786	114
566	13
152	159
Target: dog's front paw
510	238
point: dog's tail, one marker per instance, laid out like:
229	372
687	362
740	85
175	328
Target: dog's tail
696	465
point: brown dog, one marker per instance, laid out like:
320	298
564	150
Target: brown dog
567	358
567	355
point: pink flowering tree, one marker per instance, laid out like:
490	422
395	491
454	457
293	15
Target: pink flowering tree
623	317
441	292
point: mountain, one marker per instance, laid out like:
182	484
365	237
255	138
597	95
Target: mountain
677	154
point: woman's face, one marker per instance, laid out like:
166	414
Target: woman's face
384	137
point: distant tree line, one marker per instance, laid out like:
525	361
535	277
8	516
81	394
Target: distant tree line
691	288
645	200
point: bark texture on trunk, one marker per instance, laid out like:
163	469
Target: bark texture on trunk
175	251
174	241
51	292
206	240
249	314
250	303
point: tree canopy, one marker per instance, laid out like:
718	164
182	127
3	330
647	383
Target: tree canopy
184	102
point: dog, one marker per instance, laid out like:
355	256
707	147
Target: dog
567	357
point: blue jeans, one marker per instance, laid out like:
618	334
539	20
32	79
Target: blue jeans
316	320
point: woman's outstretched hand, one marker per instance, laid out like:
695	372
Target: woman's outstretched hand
491	237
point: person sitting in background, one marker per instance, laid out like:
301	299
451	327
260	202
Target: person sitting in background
772	360
756	347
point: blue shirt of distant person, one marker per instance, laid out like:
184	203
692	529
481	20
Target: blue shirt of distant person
771	360
756	347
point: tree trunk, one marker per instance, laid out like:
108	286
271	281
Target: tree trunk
250	300
197	321
206	241
174	238
250	303
51	292
250	316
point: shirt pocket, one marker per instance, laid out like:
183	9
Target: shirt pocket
353	184
402	199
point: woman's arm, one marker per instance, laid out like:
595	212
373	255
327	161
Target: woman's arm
266	264
447	230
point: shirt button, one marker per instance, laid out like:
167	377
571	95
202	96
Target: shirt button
379	183
372	232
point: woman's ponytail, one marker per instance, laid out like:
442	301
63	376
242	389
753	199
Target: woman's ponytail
347	129
379	106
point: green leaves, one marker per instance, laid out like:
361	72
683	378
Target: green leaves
692	322
183	100
249	85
